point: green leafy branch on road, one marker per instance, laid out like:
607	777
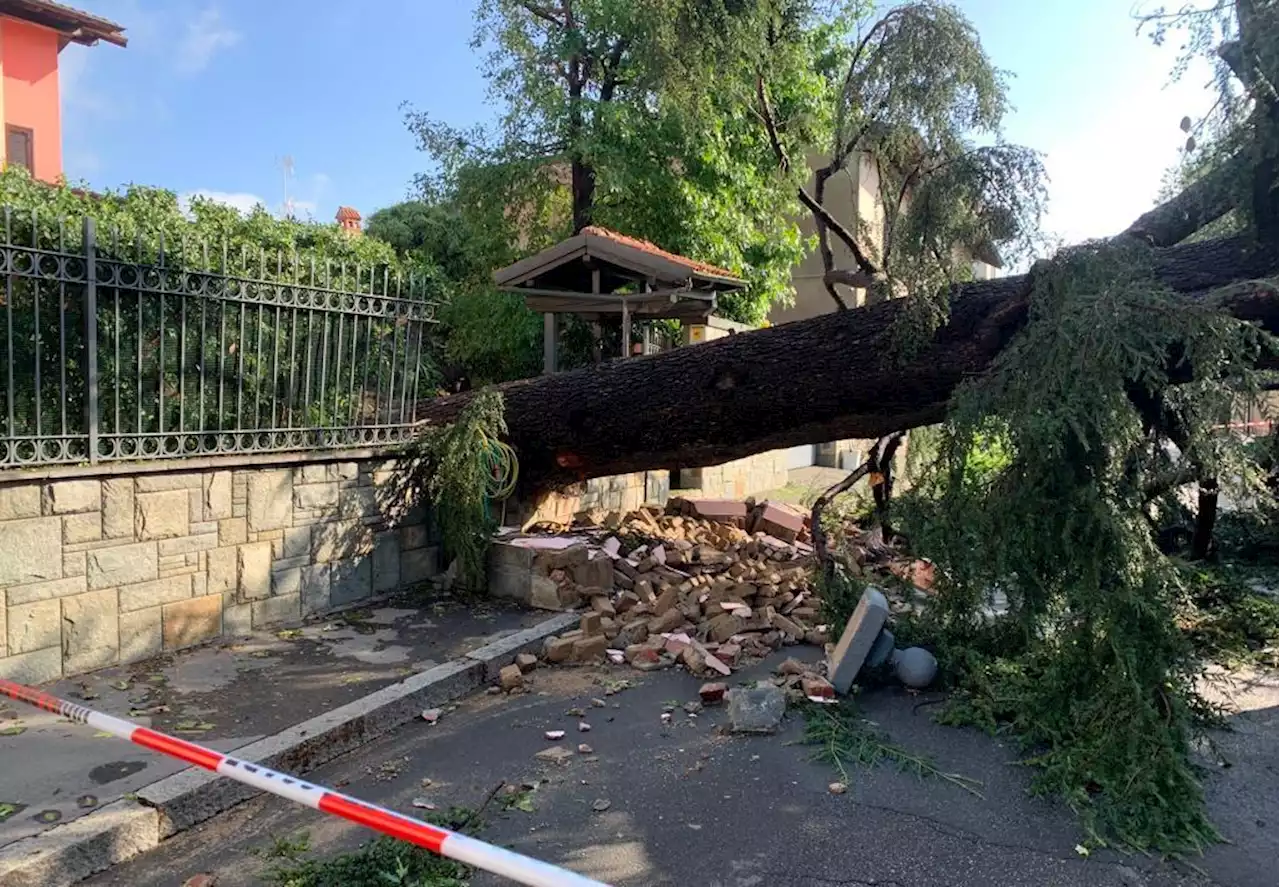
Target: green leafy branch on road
841	737
383	862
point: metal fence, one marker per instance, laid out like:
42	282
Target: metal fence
117	350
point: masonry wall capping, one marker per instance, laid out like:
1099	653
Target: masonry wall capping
105	565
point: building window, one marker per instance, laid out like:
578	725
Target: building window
19	147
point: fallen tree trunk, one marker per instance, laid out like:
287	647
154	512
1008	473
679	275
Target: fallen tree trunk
827	378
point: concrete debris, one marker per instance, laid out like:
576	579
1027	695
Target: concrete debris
858	638
511	678
557	754
915	666
432	715
553	735
600	805
584	749
584	727
837	788
756	709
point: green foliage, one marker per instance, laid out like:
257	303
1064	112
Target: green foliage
655	102
194	238
383	862
1090	669
456	475
841	738
1225	620
198	363
922	99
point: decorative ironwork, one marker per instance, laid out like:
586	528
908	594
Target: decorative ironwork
108	359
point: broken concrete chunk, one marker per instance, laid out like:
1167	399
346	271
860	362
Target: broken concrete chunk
511	678
756	709
858	637
557	754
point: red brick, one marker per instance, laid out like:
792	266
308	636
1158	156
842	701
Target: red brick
713	694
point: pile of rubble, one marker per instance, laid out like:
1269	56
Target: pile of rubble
706	583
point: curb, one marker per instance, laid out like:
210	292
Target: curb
123	829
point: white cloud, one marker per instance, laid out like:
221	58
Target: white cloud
205	36
242	201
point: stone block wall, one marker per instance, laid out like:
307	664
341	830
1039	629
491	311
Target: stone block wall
739	478
96	571
626	492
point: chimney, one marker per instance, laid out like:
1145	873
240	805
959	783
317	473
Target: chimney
349	220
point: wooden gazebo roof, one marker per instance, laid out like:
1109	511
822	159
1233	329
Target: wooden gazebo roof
599	271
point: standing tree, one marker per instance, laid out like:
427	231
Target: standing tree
639	116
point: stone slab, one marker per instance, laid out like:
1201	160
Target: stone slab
270	499
19	500
90	631
192	621
163	515
30	550
123	565
72	496
857	639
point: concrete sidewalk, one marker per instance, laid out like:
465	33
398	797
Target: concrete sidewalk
687	805
224	695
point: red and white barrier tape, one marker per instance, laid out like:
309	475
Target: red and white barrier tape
521	869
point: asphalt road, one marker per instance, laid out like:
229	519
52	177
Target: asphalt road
690	806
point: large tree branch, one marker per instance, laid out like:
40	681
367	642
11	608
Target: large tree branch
543	13
827	378
846	237
1204	201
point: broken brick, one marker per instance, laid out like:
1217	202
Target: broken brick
558	649
603	606
817	687
590	624
668	621
526	662
712	693
591	647
511	677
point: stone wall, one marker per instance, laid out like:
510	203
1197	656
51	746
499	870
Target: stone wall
99	570
737	479
626	492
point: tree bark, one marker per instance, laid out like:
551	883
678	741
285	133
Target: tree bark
827	378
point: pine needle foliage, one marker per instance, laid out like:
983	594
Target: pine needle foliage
454	476
1089	668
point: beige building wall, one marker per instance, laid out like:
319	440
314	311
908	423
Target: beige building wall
852	194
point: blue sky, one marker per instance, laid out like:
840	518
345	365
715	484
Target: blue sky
211	96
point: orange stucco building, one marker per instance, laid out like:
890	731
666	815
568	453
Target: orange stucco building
32	33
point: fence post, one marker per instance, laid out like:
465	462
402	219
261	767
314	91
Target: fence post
91	334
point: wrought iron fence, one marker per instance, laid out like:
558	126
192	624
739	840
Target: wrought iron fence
117	350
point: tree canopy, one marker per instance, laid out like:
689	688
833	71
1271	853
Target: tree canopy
640	116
